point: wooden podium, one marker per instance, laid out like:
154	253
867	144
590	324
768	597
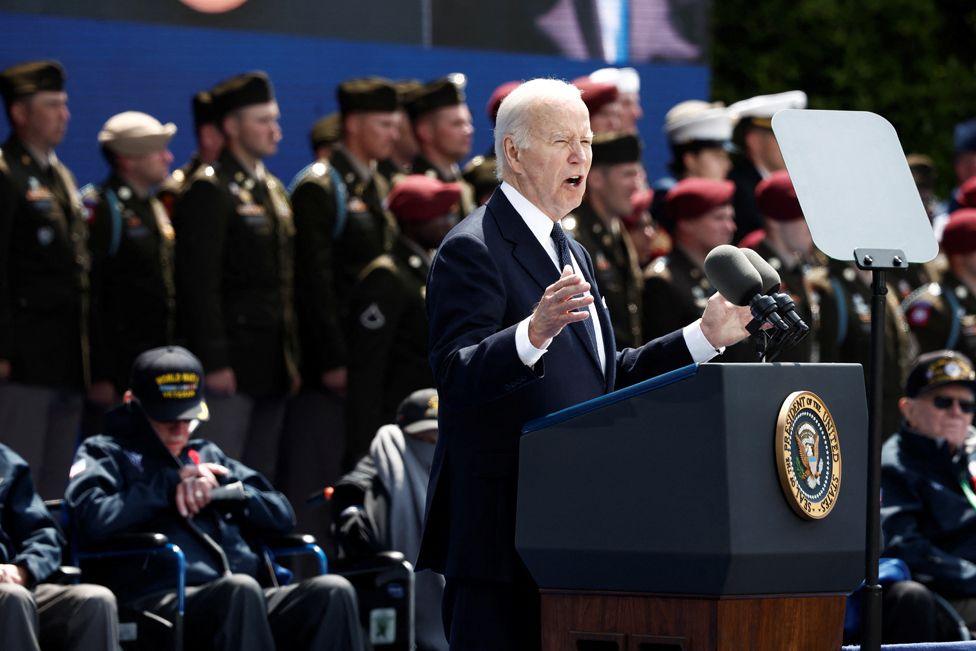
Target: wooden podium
653	518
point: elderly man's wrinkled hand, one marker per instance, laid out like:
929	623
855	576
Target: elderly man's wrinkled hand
558	306
193	492
723	323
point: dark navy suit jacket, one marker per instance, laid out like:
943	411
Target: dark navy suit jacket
488	275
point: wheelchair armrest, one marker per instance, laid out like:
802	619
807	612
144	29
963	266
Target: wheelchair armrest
128	541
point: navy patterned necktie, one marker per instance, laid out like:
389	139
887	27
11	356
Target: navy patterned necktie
565	258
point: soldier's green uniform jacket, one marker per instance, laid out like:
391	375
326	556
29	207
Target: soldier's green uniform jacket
342	226
131	242
794	283
234	257
388	341
43	271
676	291
943	315
423	166
842	302
617	272
176	183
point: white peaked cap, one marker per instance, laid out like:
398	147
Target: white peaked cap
766	106
697	120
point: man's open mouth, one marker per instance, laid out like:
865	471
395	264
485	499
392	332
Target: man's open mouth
574	180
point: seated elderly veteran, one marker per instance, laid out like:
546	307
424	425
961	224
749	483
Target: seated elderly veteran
34	614
519	329
145	474
928	494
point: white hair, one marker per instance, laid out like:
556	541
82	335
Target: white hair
516	113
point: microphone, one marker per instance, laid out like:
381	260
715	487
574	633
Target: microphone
735	278
771	283
770	279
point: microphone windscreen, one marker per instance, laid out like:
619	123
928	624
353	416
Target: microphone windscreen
731	273
770	279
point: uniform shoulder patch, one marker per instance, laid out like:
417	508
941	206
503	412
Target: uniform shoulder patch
927	293
372	317
918	315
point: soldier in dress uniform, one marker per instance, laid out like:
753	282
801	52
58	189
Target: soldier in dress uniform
788	248
210	142
388	328
442	127
943	314
841	301
234	276
675	286
481	173
405	149
644	234
615	175
131	242
699	136
44	290
325	134
758	152
627	81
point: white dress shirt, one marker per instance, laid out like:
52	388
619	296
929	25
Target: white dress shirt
541	226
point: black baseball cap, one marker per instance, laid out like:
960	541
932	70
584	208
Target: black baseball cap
168	383
418	412
937	369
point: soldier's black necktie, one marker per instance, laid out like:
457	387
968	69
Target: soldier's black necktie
565	258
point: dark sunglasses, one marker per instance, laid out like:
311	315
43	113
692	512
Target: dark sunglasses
945	402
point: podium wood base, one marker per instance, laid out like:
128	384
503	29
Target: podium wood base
587	621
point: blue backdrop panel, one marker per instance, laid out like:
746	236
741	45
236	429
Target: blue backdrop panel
115	66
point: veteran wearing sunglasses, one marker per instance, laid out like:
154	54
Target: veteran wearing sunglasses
928	481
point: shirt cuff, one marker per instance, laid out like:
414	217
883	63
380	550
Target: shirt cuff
701	351
528	353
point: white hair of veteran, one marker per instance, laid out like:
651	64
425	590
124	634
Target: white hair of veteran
516	114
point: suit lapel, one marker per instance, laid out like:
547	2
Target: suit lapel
533	258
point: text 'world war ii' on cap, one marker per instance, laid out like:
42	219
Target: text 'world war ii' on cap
168	384
937	369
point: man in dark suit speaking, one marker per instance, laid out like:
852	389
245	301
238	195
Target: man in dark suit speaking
518	329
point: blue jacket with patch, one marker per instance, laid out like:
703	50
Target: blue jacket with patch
28	535
124	481
927	520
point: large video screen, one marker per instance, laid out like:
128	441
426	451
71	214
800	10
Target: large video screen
615	31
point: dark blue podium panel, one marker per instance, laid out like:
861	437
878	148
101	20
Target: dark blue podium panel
671	486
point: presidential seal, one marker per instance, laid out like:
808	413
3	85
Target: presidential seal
808	455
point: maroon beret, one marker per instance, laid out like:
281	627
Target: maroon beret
967	193
693	197
776	198
959	236
595	94
497	97
752	239
418	198
640	201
